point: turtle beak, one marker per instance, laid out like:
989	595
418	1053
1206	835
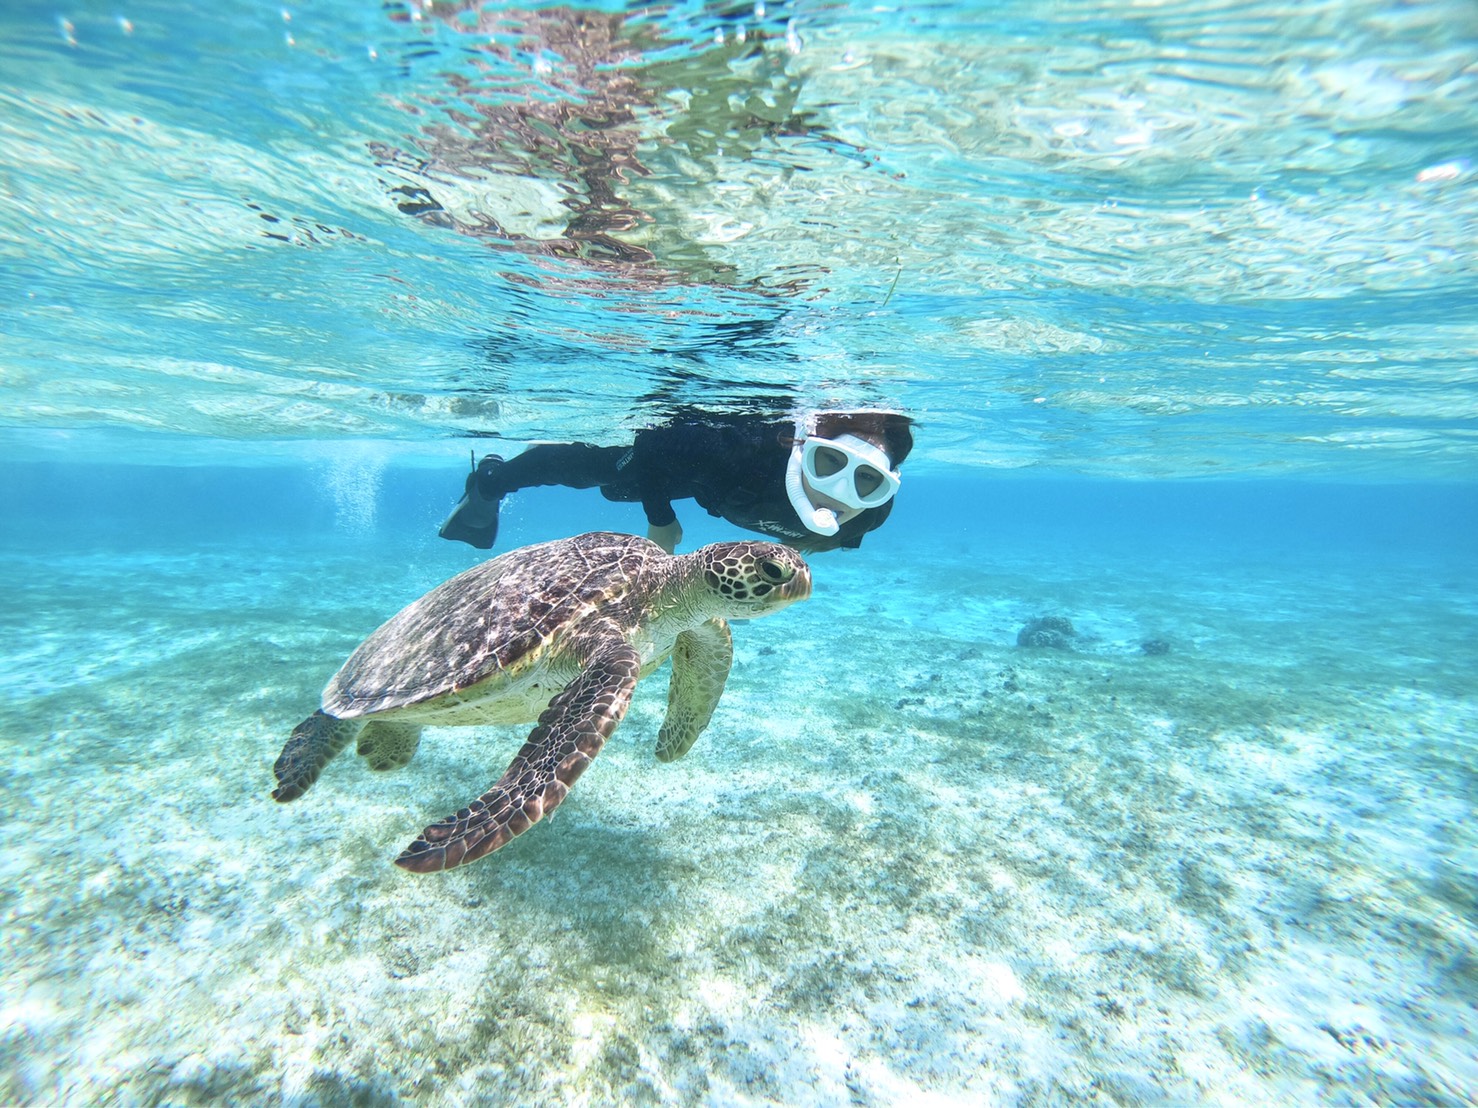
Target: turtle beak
799	586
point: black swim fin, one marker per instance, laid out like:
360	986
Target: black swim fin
475	518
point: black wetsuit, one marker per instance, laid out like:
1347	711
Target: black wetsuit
734	468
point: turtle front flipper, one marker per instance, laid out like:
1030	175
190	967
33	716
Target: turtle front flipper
569	735
700	667
310	747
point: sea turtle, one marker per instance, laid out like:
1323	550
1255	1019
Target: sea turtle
560	632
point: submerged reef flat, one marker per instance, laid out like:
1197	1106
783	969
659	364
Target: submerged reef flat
909	862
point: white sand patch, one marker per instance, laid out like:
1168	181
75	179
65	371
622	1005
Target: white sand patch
908	863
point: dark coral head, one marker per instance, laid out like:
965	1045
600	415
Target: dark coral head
755	578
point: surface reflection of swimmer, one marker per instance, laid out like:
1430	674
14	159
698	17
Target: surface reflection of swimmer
816	484
553	114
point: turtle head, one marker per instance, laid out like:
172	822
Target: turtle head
750	579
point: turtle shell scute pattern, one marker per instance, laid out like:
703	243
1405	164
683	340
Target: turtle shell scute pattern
501	616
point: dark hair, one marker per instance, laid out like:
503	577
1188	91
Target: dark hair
892	431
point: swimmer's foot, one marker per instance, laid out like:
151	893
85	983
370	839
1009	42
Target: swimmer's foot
475	518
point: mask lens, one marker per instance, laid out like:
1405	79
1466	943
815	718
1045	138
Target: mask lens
827	461
867	480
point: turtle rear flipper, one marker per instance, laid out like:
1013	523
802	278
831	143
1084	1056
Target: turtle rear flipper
388	745
570	733
310	747
701	658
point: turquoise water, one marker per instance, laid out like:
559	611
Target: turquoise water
1182	299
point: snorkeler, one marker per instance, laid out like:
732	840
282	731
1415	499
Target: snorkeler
817	483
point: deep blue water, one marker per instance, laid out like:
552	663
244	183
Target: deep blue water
122	505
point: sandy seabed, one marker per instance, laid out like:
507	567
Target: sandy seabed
910	862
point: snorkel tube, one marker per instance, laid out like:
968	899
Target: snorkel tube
823	521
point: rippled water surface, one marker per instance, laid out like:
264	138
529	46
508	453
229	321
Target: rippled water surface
1147	240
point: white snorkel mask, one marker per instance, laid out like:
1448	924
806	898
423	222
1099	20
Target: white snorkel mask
847	469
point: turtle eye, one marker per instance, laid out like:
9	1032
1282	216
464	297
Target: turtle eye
776	571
